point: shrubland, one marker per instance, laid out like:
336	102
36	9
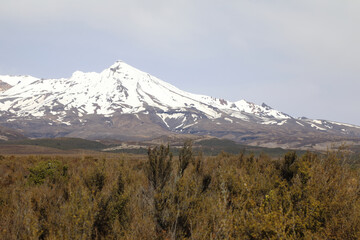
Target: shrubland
189	196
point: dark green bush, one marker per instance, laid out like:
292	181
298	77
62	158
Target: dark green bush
95	181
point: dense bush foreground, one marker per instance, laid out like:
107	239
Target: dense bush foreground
183	197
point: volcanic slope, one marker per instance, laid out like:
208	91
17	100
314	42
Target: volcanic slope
125	103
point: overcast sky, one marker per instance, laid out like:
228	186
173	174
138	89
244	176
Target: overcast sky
300	57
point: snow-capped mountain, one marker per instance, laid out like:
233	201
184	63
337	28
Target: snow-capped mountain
120	88
123	102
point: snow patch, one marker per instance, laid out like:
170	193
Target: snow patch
259	111
189	125
300	123
269	122
317	121
345	124
228	119
317	127
282	123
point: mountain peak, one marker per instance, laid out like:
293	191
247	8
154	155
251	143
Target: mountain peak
122	67
121	88
264	105
117	63
122	100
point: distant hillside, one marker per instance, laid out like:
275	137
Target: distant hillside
59	143
215	146
7	134
209	147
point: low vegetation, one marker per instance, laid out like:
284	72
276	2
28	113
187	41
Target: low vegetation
59	143
189	196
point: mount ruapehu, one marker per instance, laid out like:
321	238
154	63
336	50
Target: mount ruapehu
125	103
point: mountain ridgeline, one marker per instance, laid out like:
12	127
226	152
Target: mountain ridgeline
125	103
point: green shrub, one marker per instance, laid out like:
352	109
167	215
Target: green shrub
52	170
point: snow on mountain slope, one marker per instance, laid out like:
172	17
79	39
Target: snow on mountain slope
120	88
15	80
122	102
